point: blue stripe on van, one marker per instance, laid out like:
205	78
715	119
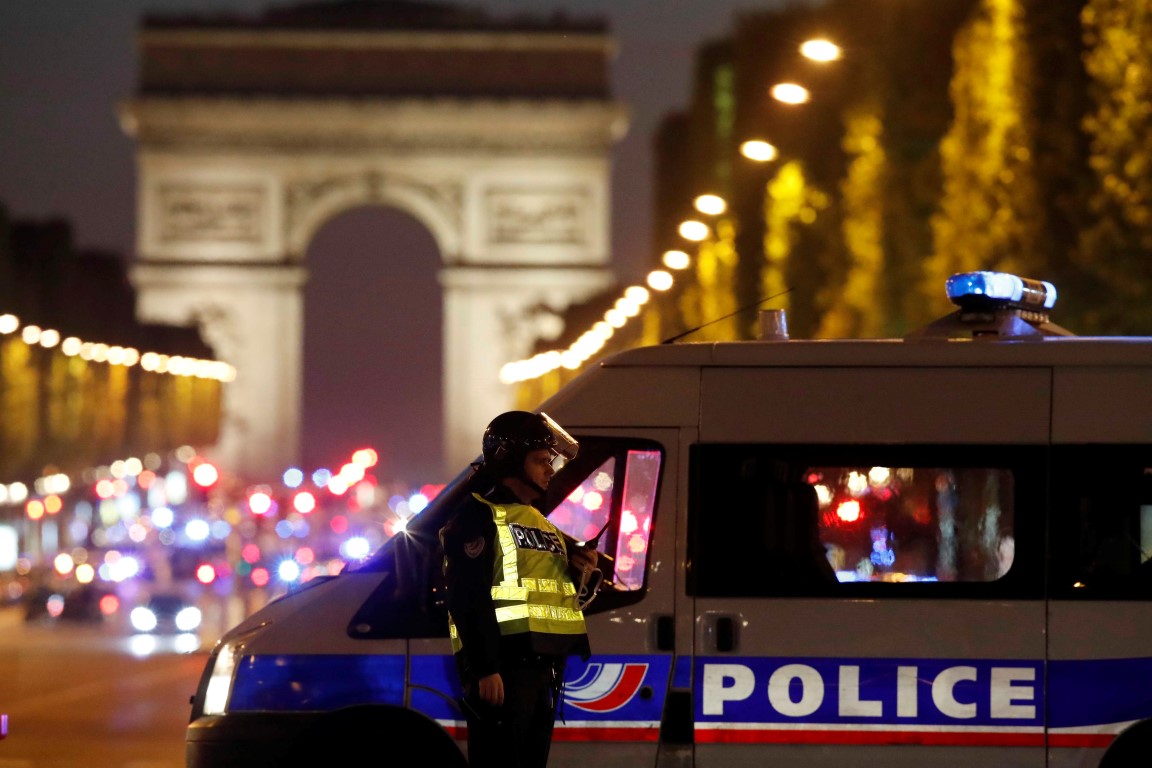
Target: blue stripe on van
435	690
1096	691
756	699
316	682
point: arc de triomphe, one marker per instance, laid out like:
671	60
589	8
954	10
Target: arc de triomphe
253	132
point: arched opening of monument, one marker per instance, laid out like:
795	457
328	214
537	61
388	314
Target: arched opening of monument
373	346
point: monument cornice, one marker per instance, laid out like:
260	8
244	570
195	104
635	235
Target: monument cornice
341	125
337	39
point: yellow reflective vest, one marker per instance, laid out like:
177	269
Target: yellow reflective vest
531	588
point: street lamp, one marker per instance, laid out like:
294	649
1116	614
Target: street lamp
759	151
821	50
676	259
791	93
659	280
713	205
693	230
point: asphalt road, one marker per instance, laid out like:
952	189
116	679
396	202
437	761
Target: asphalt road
93	696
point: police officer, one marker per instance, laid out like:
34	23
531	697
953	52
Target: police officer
510	574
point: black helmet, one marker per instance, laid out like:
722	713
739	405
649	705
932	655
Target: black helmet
513	435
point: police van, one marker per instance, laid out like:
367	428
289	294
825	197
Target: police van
927	551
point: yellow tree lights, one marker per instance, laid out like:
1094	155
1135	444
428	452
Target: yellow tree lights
991	134
67	400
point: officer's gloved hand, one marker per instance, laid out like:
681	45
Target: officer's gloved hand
584	561
584	558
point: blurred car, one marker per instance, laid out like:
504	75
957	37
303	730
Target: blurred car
42	603
165	615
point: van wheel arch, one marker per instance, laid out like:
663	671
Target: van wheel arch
345	736
1130	748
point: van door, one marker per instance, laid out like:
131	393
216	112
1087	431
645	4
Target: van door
1100	582
866	558
622	486
1100	609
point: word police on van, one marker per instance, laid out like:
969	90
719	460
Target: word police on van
931	550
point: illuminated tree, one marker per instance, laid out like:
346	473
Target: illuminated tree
988	215
1117	246
855	306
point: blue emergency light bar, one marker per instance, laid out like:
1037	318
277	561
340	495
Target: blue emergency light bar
991	290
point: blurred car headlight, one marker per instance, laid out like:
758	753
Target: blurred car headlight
188	619
143	619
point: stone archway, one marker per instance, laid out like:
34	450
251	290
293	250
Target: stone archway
254	132
384	337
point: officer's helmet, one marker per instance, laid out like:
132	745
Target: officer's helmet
511	436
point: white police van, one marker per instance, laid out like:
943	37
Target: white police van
929	551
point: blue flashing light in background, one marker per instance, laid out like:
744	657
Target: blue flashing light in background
293	477
288	570
355	548
197	530
417	502
221	529
321	477
162	517
284	529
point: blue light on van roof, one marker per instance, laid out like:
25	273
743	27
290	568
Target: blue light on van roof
1000	289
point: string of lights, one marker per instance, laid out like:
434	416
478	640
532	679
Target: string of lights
635	297
628	306
154	362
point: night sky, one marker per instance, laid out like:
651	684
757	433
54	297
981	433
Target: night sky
372	364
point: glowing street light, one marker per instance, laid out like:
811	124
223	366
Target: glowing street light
693	230
820	50
659	280
760	151
676	259
713	205
791	93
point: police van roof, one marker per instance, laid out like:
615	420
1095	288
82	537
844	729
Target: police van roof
1001	319
1061	351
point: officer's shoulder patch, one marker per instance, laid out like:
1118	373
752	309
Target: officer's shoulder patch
475	547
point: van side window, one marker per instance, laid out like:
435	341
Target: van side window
1101	522
610	491
409	600
823	520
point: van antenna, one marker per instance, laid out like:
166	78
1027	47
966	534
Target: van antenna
737	311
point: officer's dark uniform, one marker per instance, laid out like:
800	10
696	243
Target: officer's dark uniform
530	661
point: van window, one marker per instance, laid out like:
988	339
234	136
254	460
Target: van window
824	520
1102	522
410	600
609	493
